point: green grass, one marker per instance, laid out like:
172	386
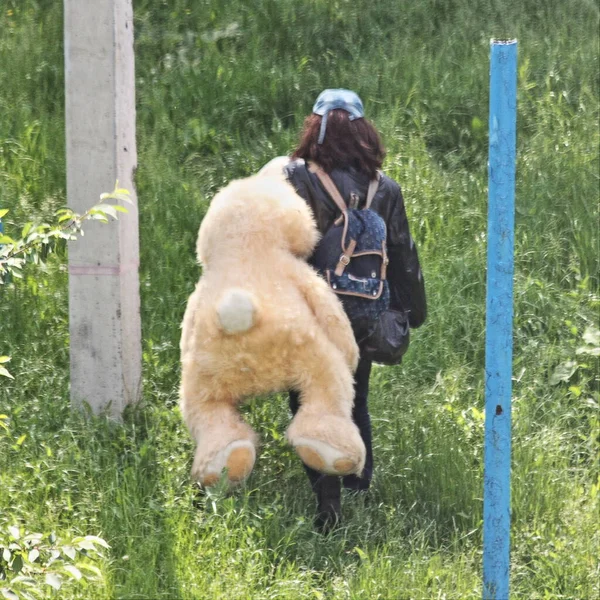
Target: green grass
211	110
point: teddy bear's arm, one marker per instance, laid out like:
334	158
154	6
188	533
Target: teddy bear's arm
328	312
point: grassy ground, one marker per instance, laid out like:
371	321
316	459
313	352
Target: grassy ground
212	107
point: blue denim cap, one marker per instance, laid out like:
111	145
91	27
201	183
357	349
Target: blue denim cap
337	98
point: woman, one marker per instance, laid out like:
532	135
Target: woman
346	146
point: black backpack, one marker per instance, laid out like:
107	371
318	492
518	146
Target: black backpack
352	257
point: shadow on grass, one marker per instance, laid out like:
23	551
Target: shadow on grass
121	489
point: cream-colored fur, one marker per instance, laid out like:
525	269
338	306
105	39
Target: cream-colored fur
261	320
274	168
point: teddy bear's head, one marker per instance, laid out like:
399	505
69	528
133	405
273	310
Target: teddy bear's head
254	214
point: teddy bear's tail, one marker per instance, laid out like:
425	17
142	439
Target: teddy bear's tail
236	311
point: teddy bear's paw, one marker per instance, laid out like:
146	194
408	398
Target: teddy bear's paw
323	457
237	457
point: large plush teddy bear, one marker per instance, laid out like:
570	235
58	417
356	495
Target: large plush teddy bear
261	320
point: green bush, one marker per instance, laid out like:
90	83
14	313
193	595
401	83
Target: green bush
33	564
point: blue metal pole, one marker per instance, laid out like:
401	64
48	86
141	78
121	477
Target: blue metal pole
499	316
1	230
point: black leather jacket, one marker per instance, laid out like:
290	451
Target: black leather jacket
407	286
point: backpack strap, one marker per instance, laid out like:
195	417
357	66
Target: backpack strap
328	185
345	258
386	261
332	190
373	186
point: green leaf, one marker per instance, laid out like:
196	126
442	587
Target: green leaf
17	563
117	194
98	216
5	239
35	538
30	581
591	350
14	531
107	209
591	336
563	372
6	555
33	555
91	568
53	580
4	359
9	594
5	373
3	211
97	540
86	545
26	229
70	552
361	553
476	124
20	443
74	571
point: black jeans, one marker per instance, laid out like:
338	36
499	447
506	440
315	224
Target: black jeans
329	485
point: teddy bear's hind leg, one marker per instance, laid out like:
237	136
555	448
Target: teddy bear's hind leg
327	443
225	442
322	432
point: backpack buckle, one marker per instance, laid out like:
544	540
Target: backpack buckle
344	259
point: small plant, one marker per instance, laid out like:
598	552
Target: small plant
582	361
32	563
3	370
37	241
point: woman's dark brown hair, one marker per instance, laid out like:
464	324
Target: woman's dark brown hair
347	143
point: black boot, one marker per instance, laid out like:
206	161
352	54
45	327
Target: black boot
329	504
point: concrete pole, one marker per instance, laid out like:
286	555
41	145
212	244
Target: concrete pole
104	304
